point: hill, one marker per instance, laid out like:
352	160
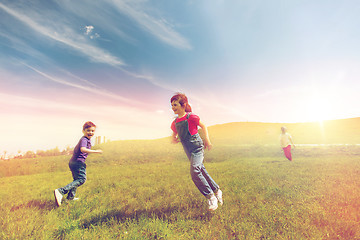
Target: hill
142	189
343	131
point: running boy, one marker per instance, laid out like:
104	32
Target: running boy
77	164
185	129
286	142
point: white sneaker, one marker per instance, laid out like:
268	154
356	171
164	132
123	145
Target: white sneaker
58	197
213	203
218	195
70	200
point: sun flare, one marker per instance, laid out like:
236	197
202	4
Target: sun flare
319	105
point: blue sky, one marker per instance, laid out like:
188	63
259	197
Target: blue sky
118	63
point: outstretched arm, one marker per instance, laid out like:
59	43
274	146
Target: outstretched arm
207	142
86	150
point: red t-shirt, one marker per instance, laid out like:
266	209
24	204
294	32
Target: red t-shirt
193	123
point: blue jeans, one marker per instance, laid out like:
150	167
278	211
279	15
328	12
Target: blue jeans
200	176
78	170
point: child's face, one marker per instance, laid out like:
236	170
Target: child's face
177	108
89	132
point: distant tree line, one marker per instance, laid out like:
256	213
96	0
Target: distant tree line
45	153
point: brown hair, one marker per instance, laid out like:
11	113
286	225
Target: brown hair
88	124
182	99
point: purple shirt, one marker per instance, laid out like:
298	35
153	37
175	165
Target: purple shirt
78	155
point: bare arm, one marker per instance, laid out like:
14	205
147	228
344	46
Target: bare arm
291	141
207	142
174	138
86	150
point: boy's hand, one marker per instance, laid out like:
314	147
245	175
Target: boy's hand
99	151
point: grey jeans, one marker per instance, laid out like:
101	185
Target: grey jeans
78	170
200	176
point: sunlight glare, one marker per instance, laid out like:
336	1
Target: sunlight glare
319	106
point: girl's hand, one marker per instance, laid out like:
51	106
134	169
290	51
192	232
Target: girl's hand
174	140
208	146
207	143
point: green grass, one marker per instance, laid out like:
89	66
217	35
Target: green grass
143	190
326	132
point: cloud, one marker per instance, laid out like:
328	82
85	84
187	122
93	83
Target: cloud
89	32
20	45
92	89
160	28
88	29
96	35
116	114
65	35
13	100
62	32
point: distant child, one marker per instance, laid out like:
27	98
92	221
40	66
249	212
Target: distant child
286	142
185	129
77	164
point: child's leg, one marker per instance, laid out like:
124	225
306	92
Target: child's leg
197	174
209	180
212	184
287	152
78	171
71	194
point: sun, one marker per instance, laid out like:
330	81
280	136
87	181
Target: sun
318	107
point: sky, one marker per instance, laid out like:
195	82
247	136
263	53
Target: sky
118	63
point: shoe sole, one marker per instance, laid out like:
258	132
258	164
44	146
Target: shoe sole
57	200
221	202
211	210
214	206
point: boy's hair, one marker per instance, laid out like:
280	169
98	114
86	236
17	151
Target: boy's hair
283	129
182	99
88	124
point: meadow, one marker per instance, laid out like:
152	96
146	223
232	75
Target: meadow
143	190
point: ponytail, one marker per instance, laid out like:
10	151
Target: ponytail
188	107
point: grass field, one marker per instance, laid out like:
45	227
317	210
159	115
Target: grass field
143	190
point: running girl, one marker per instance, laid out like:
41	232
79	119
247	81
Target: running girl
286	142
185	130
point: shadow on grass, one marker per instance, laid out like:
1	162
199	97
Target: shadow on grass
169	214
46	205
276	161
